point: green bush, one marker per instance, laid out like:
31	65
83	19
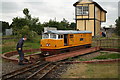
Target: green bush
117	29
25	31
108	56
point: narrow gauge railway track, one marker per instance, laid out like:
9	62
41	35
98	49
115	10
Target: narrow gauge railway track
41	73
34	71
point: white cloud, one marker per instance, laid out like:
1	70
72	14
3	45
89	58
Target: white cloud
44	10
106	0
112	12
49	9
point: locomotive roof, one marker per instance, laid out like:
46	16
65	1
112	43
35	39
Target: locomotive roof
66	32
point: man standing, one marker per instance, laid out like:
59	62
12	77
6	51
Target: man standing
103	34
19	49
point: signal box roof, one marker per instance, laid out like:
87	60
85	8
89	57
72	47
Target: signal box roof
66	32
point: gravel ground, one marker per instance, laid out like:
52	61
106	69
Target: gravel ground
58	71
8	66
89	55
0	66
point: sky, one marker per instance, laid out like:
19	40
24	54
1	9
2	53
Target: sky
119	9
52	9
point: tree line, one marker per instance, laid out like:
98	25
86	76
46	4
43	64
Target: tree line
31	26
117	29
19	24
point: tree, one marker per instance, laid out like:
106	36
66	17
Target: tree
19	22
25	31
51	23
64	24
26	13
33	23
38	28
117	29
5	25
110	26
73	25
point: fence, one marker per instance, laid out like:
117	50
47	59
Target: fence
107	43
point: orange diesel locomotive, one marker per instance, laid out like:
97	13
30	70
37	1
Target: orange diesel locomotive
59	41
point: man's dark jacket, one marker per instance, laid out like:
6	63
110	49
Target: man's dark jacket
20	44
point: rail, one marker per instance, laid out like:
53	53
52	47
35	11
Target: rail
26	69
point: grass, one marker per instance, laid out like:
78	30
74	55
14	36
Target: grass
74	72
102	70
92	71
108	56
8	36
103	55
10	45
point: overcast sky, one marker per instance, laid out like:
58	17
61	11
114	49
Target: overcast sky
51	9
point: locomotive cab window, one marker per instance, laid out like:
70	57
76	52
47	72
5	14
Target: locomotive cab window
53	36
60	36
45	36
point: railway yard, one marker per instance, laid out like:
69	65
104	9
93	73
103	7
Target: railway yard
79	65
60	69
33	48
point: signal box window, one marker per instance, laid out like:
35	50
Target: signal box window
82	10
